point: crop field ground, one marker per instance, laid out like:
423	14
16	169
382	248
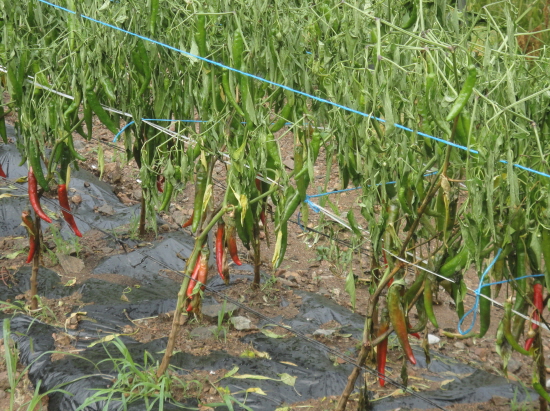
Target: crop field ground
386	161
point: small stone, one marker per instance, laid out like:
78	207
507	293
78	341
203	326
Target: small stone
324	333
242	323
124	198
203	333
76	199
137	194
70	264
432	339
127	329
460	345
282	281
210	312
279	272
292	276
165	228
86	184
514	366
500	402
79	145
262	235
3	394
289	164
106	209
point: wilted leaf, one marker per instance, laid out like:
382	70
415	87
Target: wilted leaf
271	334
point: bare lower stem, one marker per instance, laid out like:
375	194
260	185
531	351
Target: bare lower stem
257	259
35	265
142	216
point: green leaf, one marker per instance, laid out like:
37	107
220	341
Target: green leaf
271	334
350	288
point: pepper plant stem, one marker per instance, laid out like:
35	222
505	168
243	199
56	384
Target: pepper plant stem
35	265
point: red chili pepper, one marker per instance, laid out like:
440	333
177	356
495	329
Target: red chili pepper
538	302
416	335
259	185
190	221
381	353
64	203
232	245
2	174
398	321
160	182
29	225
263	218
194	276
220	249
33	197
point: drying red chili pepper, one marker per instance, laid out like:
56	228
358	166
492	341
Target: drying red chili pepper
397	319
66	208
382	350
160	182
29	225
220	249
538	302
190	221
232	245
193	280
2	174
33	197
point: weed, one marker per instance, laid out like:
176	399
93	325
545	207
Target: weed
135	382
67	247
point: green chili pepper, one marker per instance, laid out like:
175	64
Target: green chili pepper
70	145
291	205
315	145
3	130
108	88
200	188
428	300
412	19
34	160
282	239
507	319
154	16
167	195
454	264
229	94
100	111
414	288
200	35
465	93
73	107
541	391
284	116
238	49
245	230
484	311
353	224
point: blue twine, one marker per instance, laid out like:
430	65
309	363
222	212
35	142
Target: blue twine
253	76
478	291
316	208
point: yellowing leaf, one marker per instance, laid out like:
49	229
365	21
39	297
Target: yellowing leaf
107	338
288	379
271	334
71	282
253	377
207	196
256	390
11	256
288	363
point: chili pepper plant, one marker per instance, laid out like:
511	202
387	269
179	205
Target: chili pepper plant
401	72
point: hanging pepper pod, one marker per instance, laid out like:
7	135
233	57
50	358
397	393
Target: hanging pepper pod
397	319
33	196
190	221
66	208
2	174
220	250
31	229
231	241
538	302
